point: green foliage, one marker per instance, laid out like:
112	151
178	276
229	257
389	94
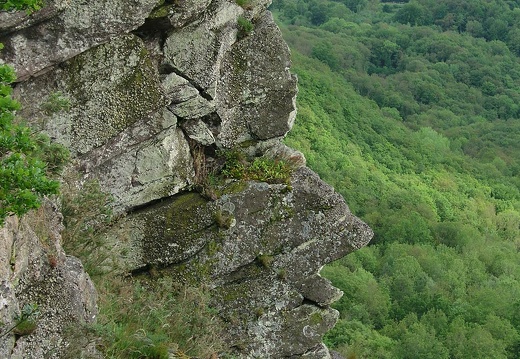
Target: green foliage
26	160
28	5
86	214
410	112
262	169
25	322
159	319
55	103
246	4
245	27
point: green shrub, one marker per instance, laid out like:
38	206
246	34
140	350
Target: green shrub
28	5
262	169
245	27
23	158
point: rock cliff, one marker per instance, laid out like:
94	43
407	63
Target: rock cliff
155	90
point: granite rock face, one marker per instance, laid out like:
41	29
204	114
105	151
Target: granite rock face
145	94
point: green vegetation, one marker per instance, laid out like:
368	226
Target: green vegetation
26	322
26	160
410	110
158	318
246	4
56	102
262	169
245	27
28	5
224	219
86	215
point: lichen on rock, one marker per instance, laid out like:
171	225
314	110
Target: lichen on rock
156	91
39	273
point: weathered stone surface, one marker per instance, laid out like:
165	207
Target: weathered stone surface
196	50
110	88
320	352
263	266
35	270
119	128
186	11
198	131
319	290
16	20
156	168
256	93
80	26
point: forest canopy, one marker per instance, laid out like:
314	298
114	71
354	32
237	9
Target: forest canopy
411	109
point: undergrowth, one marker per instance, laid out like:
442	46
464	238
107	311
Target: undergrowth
262	169
141	317
158	319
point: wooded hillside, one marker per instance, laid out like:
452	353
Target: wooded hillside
412	111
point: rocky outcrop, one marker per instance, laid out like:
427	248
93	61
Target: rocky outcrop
144	96
35	270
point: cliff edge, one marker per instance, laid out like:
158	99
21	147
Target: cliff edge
159	94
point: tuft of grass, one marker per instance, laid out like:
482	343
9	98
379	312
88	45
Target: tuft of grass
262	169
86	214
224	219
159	319
245	27
245	4
56	102
26	322
265	260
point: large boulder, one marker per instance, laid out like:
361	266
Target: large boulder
145	94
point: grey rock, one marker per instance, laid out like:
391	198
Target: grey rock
11	21
186	11
138	101
198	131
262	267
193	108
119	130
178	88
110	88
35	270
256	93
319	290
320	352
156	168
196	50
82	25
